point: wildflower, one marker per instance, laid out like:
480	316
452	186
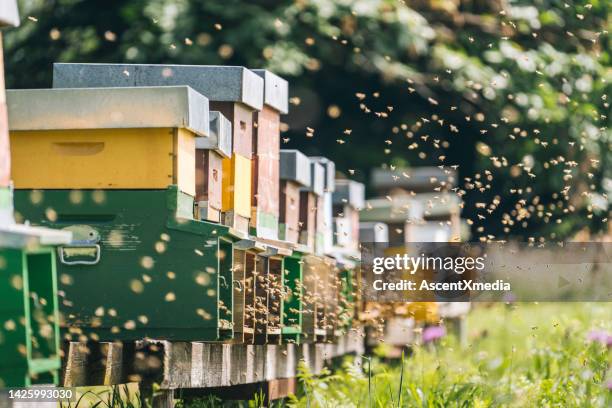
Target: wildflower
600	336
433	333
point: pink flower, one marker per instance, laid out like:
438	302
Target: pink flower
600	336
432	333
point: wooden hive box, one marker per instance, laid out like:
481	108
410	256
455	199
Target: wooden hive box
99	139
325	223
348	199
116	167
309	200
319	298
295	173
266	160
28	286
210	153
236	92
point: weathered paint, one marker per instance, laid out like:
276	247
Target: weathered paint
293	301
209	168
289	227
266	172
159	273
29	312
237	185
308	218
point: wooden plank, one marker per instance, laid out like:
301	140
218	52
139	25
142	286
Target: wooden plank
196	365
75	371
113	370
177	365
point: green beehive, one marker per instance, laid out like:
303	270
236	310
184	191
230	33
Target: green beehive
293	298
29	332
119	173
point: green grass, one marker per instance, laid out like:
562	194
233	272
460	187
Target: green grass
526	355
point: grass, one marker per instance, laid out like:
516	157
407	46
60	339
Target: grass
116	396
518	356
524	355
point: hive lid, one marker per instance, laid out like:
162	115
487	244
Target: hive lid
9	14
276	90
330	172
373	232
317	178
349	192
108	108
217	83
220	138
295	166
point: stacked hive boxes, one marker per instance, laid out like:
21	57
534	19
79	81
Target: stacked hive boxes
266	149
29	333
171	179
324	239
116	166
348	200
210	152
295	173
419	207
236	92
309	197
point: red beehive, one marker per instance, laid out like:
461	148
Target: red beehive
266	160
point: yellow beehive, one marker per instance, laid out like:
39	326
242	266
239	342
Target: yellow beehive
237	182
113	138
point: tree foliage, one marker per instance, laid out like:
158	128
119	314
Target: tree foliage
514	93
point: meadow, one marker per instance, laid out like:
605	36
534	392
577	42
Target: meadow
521	355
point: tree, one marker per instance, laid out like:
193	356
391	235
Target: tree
513	93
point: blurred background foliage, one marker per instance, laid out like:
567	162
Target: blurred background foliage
513	92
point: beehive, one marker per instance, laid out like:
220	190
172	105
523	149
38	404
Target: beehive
119	173
295	173
308	206
349	199
319	298
236	92
266	159
293	302
119	138
325	230
30	335
210	152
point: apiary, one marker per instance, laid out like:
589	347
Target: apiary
235	92
295	173
266	156
119	174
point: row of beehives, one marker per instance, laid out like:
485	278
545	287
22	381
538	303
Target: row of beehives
188	222
414	205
